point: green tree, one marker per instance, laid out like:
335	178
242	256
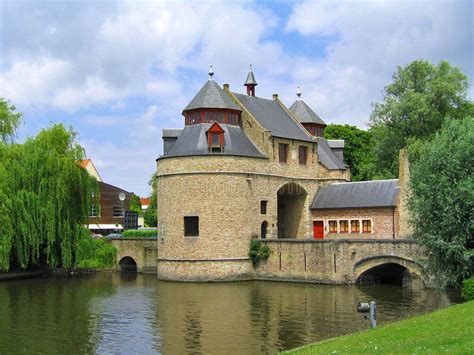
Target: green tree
135	204
357	150
442	199
9	120
45	197
150	216
420	98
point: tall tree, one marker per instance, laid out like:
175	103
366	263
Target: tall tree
442	199
45	198
135	204
357	150
9	120
150	216
421	97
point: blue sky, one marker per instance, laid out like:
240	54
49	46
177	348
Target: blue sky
121	71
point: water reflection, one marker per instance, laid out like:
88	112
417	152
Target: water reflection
123	313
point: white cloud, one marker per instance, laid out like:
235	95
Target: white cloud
372	38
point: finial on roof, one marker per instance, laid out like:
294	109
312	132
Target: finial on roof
250	83
298	92
211	72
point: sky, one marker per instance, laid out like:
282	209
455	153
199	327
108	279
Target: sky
119	72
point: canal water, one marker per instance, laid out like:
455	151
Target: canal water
129	313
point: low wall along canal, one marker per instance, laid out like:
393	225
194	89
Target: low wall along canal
345	261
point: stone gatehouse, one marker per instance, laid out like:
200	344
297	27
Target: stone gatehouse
248	167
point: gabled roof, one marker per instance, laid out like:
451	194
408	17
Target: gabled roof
304	113
327	157
193	142
273	117
90	168
211	96
362	194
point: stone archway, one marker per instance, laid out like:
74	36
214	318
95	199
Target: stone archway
388	269
291	199
128	264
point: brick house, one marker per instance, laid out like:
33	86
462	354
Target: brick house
245	166
108	215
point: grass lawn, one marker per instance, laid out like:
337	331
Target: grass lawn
447	330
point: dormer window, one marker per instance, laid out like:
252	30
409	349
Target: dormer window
215	138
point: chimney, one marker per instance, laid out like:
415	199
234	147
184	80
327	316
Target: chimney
275	97
404	228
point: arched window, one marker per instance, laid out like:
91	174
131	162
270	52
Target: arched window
263	229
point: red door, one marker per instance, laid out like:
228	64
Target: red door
318	229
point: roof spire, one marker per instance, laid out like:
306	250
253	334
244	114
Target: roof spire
211	72
250	83
298	92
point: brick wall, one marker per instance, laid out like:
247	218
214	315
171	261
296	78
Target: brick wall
384	222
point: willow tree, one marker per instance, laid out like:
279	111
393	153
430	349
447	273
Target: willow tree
45	198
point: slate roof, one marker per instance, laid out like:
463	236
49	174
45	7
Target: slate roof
193	141
363	194
327	157
211	96
171	132
273	117
336	143
304	113
251	79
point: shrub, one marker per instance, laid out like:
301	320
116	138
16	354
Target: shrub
467	290
94	253
258	251
140	233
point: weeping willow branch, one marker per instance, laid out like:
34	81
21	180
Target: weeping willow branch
45	197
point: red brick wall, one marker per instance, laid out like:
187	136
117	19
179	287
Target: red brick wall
384	222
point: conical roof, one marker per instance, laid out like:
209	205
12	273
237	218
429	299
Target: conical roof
250	79
304	113
211	96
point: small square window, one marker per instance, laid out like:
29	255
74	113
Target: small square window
117	212
191	226
366	226
355	227
263	207
344	226
332	226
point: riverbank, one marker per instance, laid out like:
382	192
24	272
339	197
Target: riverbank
450	329
20	275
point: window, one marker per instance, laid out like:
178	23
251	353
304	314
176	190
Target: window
302	154
366	226
283	152
355	227
191	226
263	207
343	226
117	212
93	211
332	226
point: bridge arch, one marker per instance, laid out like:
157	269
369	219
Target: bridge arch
388	269
128	264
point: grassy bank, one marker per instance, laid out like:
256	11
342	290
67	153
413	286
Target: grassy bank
447	330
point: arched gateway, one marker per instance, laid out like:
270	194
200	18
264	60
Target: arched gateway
291	200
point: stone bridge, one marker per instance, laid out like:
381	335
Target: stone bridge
136	254
344	261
